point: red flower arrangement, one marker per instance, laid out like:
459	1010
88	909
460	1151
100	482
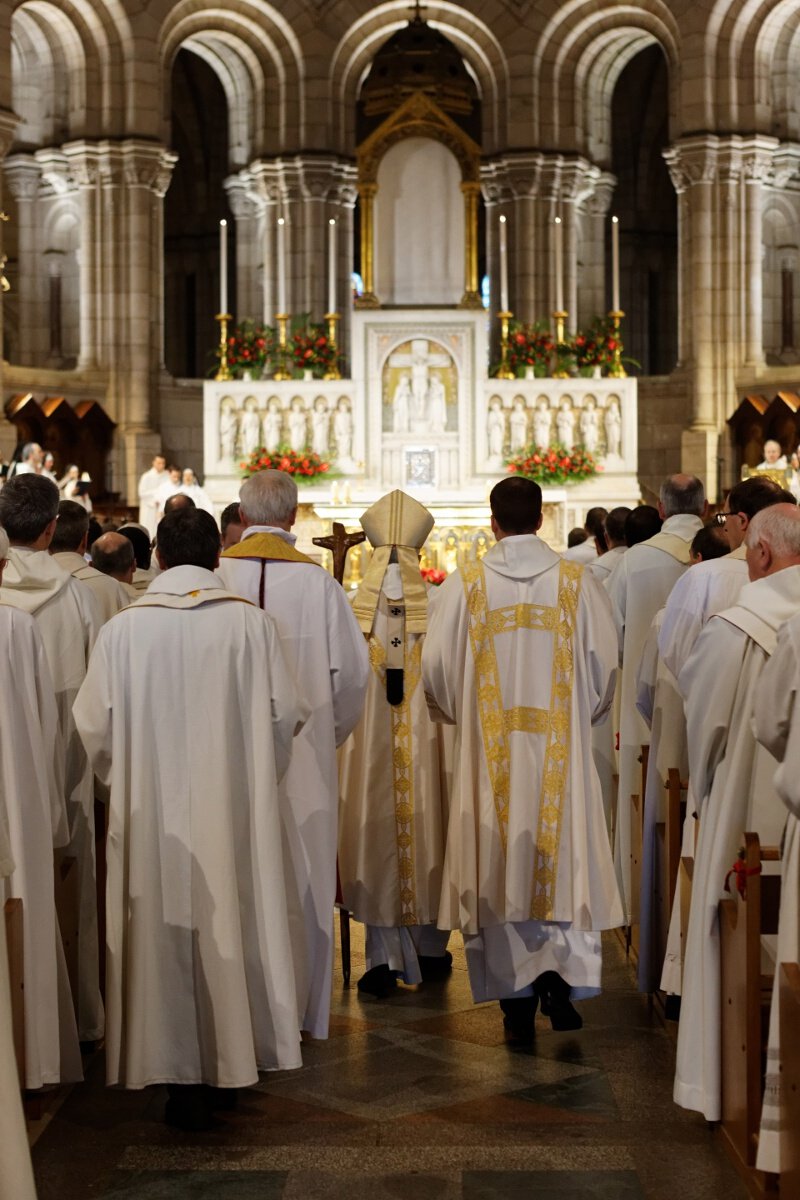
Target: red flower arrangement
304	468
433	575
530	345
597	347
554	466
312	349
249	347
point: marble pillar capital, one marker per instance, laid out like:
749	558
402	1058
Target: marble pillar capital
243	198
8	124
22	175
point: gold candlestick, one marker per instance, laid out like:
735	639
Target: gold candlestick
281	318
333	371
616	370
560	317
505	371
223	370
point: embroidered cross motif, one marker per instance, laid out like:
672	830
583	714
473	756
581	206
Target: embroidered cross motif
396	641
396	612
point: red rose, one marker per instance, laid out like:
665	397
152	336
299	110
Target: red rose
537	459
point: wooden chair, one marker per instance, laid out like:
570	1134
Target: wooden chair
13	917
789	983
746	989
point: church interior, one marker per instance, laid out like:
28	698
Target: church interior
411	185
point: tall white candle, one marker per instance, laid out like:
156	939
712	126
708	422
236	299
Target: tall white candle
503	266
223	266
331	265
281	266
559	245
615	264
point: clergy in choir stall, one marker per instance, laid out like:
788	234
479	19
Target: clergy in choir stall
68	621
638	587
707	589
661	706
520	657
776	723
199	981
114	557
170	486
190	487
149	486
774	458
327	653
230	525
16	1177
732	779
391	773
68	548
614	541
144	573
595	543
33	813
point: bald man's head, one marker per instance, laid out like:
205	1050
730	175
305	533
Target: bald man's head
113	555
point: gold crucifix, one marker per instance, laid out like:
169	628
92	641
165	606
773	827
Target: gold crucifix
339	543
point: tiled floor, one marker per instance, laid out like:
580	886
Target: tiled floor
417	1097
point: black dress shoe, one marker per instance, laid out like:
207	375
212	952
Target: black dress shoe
188	1108
433	968
379	982
518	1019
222	1099
553	991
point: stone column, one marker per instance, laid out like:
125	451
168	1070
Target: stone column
248	301
594	297
83	159
578	181
23	176
54	260
757	154
523	173
8	123
265	185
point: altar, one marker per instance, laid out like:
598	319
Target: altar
420	411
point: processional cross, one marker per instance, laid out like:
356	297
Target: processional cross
340	543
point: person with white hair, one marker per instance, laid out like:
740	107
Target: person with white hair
327	652
34	816
732	778
774	458
30	460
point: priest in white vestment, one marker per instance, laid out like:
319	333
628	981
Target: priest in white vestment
638	587
33	812
709	588
732	779
199	987
169	486
191	488
149	485
16	1176
614	537
327	652
520	656
68	548
776	722
588	551
67	618
391	770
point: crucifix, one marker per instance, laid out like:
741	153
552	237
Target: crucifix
339	543
416	12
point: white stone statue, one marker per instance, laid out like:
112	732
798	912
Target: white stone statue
590	429
400	405
496	429
273	420
419	381
320	428
343	431
228	430
613	423
541	426
298	430
519	426
437	405
251	428
565	425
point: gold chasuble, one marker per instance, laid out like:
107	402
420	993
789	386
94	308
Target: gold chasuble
554	722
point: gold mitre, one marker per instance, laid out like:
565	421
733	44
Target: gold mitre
395	522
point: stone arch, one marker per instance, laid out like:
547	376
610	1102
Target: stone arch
75	51
577	61
256	55
478	46
746	52
781	251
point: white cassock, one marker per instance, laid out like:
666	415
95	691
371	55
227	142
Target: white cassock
328	655
393	808
109	594
199	984
34	813
661	705
585	552
68	621
603	564
528	873
201	498
776	714
165	490
732	778
638	587
709	588
149	484
16	1177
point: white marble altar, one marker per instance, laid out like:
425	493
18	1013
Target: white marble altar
421	413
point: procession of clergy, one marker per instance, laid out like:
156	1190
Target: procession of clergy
246	724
